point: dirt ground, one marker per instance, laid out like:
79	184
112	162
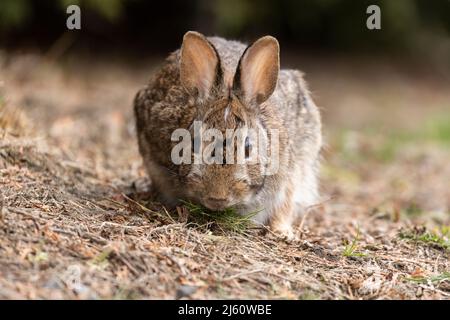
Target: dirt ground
78	220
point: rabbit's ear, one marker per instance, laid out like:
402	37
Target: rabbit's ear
257	73
199	64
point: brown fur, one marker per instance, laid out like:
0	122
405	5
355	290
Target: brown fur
250	90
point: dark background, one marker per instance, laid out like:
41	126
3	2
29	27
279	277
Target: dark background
409	27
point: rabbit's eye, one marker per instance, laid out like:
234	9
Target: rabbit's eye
224	152
247	148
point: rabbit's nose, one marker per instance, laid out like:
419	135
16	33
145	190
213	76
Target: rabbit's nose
216	203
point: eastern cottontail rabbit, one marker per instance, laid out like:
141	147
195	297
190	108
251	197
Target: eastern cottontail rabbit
227	85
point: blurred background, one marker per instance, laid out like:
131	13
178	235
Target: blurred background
328	39
384	94
408	26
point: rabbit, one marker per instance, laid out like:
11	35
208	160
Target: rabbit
226	85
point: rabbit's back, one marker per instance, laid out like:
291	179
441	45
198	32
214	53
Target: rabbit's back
302	121
160	108
299	113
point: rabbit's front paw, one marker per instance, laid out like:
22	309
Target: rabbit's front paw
284	231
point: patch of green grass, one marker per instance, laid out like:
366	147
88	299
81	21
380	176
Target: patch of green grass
435	129
341	175
438	238
413	210
308	295
438	129
228	219
387	150
126	294
383	145
351	249
445	276
101	260
38	257
220	290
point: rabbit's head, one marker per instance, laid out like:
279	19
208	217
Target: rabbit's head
234	131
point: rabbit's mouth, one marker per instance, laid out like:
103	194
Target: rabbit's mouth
216	203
